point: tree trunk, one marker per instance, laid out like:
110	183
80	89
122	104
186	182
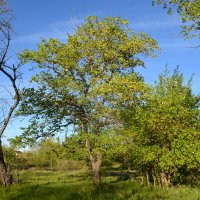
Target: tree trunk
147	179
95	164
154	181
6	179
96	169
165	179
142	179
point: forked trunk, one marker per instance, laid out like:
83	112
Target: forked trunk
6	179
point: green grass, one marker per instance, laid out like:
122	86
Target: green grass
78	185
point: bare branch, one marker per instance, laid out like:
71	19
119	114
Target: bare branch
9	71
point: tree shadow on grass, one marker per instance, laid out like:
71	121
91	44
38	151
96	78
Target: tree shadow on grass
83	191
78	191
48	192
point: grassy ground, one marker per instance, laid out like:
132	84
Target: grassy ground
78	185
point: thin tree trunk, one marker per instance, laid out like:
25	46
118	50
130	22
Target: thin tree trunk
154	181
147	179
6	179
142	179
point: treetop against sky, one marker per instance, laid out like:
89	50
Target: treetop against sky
48	18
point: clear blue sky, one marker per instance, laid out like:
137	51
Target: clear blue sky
50	18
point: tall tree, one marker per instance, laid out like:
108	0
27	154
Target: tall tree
189	10
82	82
9	74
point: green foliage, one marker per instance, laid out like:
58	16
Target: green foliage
75	147
89	84
189	10
50	154
82	82
10	157
165	129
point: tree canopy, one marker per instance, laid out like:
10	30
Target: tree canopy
82	81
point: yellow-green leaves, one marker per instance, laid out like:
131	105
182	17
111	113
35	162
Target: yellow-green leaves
189	10
167	126
85	81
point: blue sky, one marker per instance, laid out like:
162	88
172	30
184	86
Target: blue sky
50	18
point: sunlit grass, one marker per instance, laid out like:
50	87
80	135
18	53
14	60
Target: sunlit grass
77	185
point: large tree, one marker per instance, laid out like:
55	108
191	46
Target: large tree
82	82
189	11
165	129
9	76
